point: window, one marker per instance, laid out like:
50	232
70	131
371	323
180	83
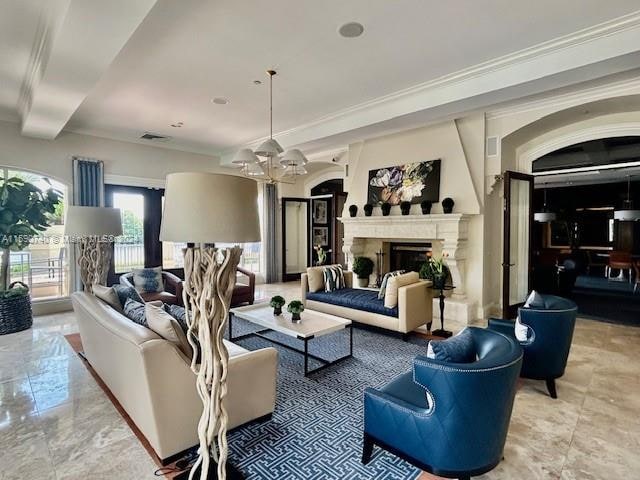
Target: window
44	264
128	252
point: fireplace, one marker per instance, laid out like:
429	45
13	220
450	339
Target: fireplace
408	256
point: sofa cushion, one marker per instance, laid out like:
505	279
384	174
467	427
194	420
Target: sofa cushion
333	278
125	292
164	297
167	327
385	281
534	300
148	280
457	349
315	277
109	296
233	349
356	298
391	295
134	311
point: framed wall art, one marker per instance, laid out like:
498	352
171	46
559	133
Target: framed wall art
412	182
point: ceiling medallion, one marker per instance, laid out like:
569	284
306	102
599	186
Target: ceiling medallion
265	163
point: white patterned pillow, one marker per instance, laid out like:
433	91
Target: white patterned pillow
385	280
148	280
333	278
521	331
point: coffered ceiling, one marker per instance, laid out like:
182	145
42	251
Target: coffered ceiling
121	68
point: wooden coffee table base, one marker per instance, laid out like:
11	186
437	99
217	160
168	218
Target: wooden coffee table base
305	351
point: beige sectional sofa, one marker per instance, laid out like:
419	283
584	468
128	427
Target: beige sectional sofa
153	381
414	305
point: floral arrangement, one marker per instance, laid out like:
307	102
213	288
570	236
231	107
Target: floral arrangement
277	302
436	270
402	183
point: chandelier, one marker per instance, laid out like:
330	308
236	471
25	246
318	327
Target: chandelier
265	162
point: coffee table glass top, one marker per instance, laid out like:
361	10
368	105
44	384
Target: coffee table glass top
313	324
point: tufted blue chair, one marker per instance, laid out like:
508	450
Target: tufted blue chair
449	419
550	332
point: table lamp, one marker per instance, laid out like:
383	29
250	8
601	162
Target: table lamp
204	208
93	229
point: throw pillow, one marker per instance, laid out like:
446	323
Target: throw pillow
385	280
333	278
315	277
391	293
148	280
109	296
126	292
457	349
521	331
534	300
134	311
167	327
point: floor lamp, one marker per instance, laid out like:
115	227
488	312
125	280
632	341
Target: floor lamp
93	230
201	209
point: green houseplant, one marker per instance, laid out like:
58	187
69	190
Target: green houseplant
362	267
295	308
277	303
25	211
436	270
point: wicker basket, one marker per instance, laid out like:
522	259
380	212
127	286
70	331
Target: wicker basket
15	312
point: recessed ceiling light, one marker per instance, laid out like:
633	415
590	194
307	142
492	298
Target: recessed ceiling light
257	82
177	125
351	30
220	101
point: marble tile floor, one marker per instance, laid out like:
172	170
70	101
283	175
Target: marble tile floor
56	423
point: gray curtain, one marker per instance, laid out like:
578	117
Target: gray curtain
270	241
88	182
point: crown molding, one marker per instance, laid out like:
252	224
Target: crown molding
601	42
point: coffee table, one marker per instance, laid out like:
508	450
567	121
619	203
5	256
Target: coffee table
313	325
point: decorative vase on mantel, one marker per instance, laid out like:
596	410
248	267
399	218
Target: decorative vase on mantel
425	206
353	210
368	210
386	209
405	207
447	205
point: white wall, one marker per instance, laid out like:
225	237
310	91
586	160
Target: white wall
122	159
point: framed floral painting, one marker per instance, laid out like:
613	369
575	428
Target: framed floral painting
413	182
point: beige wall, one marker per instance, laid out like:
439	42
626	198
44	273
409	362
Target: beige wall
53	157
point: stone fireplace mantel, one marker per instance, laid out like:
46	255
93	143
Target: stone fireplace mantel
447	233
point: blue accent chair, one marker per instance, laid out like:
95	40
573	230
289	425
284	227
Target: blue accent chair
550	332
449	419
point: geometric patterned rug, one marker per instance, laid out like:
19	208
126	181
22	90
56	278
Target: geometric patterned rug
316	430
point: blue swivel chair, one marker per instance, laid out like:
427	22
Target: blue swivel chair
550	332
449	419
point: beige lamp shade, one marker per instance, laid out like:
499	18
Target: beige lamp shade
269	148
92	221
245	157
209	208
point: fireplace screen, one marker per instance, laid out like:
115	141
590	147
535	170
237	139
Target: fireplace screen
408	256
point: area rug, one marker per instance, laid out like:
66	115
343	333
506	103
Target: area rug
316	430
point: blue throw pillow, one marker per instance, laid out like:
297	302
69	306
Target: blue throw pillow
125	293
178	312
457	349
134	311
148	280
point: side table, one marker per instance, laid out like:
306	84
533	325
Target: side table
441	332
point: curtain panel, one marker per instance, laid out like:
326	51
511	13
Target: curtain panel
270	241
88	182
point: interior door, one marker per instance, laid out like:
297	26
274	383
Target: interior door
295	231
518	226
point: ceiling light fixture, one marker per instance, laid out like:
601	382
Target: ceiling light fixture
265	168
177	125
220	101
627	213
545	216
351	30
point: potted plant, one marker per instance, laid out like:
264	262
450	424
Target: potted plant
277	303
25	211
386	209
368	210
295	308
321	253
447	205
353	210
405	207
436	270
363	267
425	205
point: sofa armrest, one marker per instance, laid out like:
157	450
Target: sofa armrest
500	325
415	306
304	288
250	275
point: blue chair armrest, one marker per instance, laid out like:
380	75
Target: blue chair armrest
500	325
